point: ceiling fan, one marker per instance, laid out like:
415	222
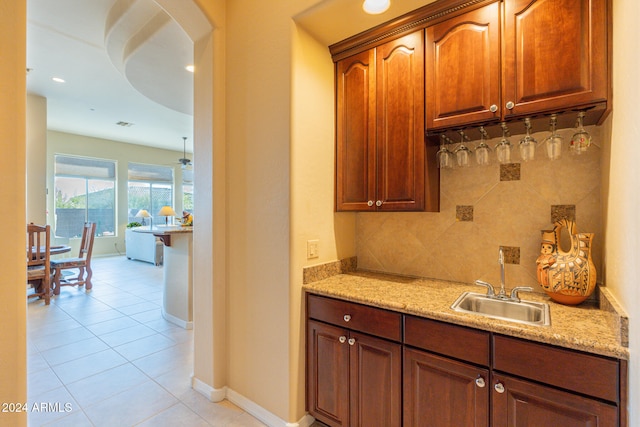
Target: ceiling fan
184	161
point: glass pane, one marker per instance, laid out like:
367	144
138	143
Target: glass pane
101	206
161	195
187	198
139	197
70	206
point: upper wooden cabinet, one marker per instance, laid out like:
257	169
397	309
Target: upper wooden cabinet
555	55
463	68
380	144
552	56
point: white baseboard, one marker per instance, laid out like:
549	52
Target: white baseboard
173	319
213	394
247	405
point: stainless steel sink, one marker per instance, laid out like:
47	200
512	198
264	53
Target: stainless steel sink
527	312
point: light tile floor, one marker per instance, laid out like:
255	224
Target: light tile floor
108	358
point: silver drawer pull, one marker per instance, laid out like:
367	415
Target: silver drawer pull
480	382
347	317
342	339
499	387
352	341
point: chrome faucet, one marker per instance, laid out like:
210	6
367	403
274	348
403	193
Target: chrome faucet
502	294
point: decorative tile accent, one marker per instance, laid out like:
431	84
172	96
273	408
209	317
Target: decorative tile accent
320	272
559	212
510	172
511	254
464	213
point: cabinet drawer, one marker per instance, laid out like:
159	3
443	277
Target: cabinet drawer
362	318
450	340
580	372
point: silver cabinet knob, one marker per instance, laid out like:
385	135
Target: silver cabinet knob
347	317
493	108
510	105
480	382
352	341
499	387
370	203
342	339
378	203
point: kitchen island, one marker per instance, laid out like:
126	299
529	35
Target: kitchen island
177	296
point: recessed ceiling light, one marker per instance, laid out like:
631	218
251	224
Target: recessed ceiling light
190	68
374	7
58	80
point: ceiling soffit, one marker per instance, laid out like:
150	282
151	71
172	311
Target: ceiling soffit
151	51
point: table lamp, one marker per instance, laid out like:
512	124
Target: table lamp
166	212
143	213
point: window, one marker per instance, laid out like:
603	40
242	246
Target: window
150	188
84	191
187	190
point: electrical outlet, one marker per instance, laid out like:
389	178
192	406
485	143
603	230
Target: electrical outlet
312	249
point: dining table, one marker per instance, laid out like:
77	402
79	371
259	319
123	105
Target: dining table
59	249
56	249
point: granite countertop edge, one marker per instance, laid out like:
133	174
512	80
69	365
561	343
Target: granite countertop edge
585	327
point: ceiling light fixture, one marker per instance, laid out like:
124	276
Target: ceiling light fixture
57	79
190	68
375	7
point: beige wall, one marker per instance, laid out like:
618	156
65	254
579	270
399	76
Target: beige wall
505	213
312	200
36	159
623	203
13	346
122	153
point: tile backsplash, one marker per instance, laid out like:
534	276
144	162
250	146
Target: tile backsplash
480	211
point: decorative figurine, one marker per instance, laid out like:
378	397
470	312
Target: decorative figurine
567	277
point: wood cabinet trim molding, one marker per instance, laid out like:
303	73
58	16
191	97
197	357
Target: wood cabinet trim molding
407	23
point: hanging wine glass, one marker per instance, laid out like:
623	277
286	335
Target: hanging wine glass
483	152
463	153
444	156
581	140
528	143
553	143
503	148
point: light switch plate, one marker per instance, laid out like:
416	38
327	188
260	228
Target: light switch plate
312	249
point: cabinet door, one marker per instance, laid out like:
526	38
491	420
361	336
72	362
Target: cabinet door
555	55
528	404
328	373
400	124
440	392
376	372
355	132
463	69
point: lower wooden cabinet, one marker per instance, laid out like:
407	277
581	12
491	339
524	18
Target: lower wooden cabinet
440	392
418	372
354	364
522	403
353	379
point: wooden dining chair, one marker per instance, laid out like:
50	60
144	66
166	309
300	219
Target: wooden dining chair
82	263
38	261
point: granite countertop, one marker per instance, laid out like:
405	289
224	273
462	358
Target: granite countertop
585	327
170	229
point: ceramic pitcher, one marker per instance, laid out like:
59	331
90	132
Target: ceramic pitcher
567	277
